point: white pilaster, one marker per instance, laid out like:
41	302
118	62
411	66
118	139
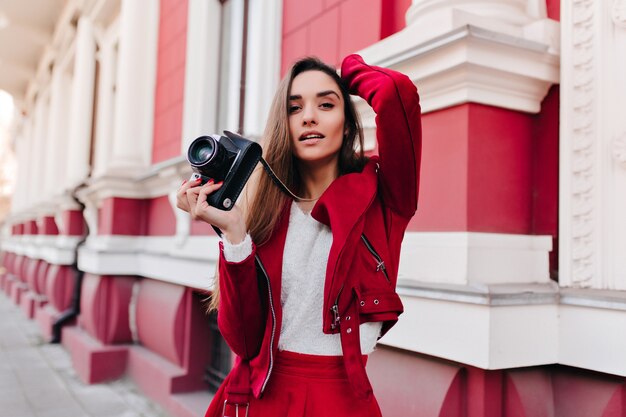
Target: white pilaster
37	159
593	143
59	128
134	102
106	100
26	178
17	201
82	104
231	68
262	63
54	168
201	70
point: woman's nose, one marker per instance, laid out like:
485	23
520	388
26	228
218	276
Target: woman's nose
309	117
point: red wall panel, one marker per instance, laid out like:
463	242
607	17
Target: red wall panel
545	174
360	25
48	226
393	16
443	196
331	29
499	166
160	219
168	106
323	43
554	9
122	216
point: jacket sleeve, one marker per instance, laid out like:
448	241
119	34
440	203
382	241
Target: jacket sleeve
394	98
240	315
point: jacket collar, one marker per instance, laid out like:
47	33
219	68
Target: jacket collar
346	199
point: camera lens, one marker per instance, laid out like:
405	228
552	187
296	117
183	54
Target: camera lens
201	150
209	157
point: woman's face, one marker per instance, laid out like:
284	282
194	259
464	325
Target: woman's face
316	118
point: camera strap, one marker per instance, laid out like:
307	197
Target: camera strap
280	184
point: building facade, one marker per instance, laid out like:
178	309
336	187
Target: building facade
513	271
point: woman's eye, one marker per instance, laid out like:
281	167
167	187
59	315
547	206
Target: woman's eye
327	105
293	108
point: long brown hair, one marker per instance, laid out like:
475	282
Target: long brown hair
267	201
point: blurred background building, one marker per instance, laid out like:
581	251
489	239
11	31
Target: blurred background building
513	271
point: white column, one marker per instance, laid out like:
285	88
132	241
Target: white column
17	201
35	155
229	92
40	142
201	70
134	103
82	104
262	62
106	101
59	130
26	164
51	177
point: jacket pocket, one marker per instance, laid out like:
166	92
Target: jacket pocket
380	263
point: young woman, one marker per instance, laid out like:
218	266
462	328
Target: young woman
307	285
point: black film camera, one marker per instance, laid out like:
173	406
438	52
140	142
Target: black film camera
230	158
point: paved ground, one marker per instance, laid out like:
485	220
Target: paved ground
37	379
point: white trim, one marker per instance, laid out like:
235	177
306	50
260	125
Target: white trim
58	250
512	326
479	335
469	258
467	58
190	263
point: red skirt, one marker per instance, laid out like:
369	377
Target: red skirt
302	386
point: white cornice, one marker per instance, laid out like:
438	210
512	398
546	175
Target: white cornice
158	180
468	62
189	262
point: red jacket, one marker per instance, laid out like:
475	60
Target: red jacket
367	213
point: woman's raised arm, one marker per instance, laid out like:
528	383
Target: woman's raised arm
394	98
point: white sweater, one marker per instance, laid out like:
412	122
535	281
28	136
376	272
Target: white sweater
302	293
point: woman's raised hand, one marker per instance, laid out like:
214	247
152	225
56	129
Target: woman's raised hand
191	197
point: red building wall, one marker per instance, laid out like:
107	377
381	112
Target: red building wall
168	106
332	29
554	9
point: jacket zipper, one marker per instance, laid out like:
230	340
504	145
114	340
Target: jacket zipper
269	289
380	264
335	309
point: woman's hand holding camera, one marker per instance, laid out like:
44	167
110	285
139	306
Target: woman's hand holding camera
191	197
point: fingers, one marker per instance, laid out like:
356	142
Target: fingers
182	202
201	208
207	189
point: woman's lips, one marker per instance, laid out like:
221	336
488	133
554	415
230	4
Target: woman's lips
311	136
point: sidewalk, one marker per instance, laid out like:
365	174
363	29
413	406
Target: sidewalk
37	379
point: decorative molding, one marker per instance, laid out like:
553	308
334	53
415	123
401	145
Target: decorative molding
618	13
579	257
471	63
